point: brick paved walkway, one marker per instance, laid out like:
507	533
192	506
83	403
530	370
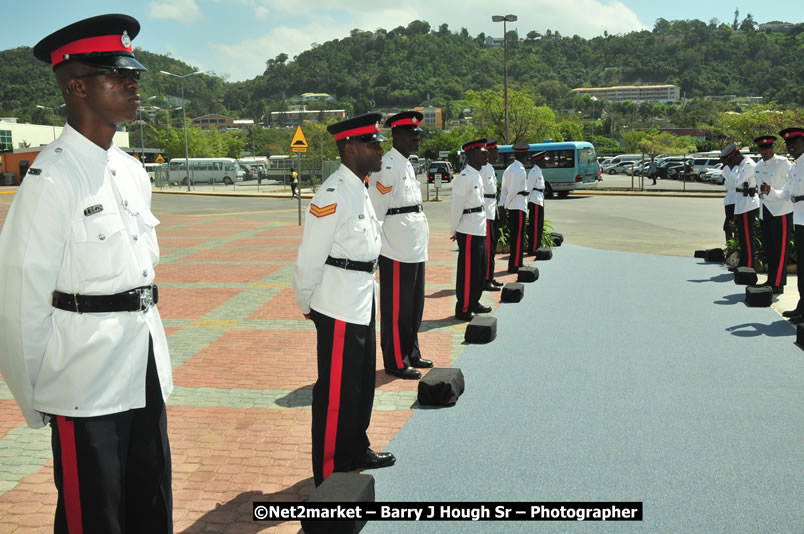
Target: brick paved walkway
244	367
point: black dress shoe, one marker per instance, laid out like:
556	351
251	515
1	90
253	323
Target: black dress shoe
481	309
374	460
421	363
407	372
497	283
490	287
792	313
777	290
732	269
467	316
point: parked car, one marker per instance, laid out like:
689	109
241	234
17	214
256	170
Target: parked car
444	168
714	175
701	165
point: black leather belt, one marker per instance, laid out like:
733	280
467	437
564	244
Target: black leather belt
539	190
407	209
490	196
523	193
749	192
351	265
798	199
473	210
139	299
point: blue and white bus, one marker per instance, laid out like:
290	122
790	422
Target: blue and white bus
568	166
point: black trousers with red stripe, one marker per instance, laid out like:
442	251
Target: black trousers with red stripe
516	224
492	235
401	309
799	242
471	276
745	236
776	233
729	209
535	225
343	395
113	472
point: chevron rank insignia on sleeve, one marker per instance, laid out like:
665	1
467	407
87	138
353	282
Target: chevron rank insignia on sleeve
322	211
383	189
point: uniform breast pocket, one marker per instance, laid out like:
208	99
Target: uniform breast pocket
146	224
100	247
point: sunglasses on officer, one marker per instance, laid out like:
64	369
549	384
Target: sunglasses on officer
123	74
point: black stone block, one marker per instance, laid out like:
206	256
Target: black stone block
513	292
441	387
715	255
481	330
340	487
700	254
800	336
527	274
760	297
745	276
543	254
558	238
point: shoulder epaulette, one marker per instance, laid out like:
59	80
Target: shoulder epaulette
34	171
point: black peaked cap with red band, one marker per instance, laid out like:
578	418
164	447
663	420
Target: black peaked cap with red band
477	144
765	141
789	134
729	151
521	147
491	143
538	155
409	120
364	128
103	41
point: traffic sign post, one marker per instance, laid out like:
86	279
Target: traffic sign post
299	144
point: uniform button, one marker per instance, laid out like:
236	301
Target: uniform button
135	238
58	151
144	273
101	236
114	172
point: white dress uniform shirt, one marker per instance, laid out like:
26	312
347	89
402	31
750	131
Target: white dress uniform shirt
514	180
731	191
740	176
341	223
536	181
79	364
404	235
774	173
489	188
467	193
793	187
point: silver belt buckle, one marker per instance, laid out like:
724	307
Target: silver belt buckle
146	298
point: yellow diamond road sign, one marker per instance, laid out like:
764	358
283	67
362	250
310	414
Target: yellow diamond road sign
159	159
299	143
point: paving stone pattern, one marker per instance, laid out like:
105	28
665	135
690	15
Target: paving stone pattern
244	367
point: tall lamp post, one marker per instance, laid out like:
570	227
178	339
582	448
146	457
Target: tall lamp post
142	137
505	19
184	119
52	116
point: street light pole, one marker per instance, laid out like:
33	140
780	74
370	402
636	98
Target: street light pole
184	119
52	116
505	19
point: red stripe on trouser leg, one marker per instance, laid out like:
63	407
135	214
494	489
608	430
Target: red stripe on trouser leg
397	346
747	240
488	250
333	408
519	240
784	250
69	468
467	272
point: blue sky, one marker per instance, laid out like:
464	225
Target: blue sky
234	38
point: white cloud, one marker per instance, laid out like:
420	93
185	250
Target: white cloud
261	12
183	11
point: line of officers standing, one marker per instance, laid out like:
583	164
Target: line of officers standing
367	215
772	189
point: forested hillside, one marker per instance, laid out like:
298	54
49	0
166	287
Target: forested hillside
412	65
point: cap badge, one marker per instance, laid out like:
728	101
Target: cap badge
125	40
414	120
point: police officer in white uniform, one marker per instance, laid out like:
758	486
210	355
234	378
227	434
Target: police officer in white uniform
776	215
731	192
396	195
514	196
536	201
335	287
793	191
746	204
82	345
468	228
490	203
